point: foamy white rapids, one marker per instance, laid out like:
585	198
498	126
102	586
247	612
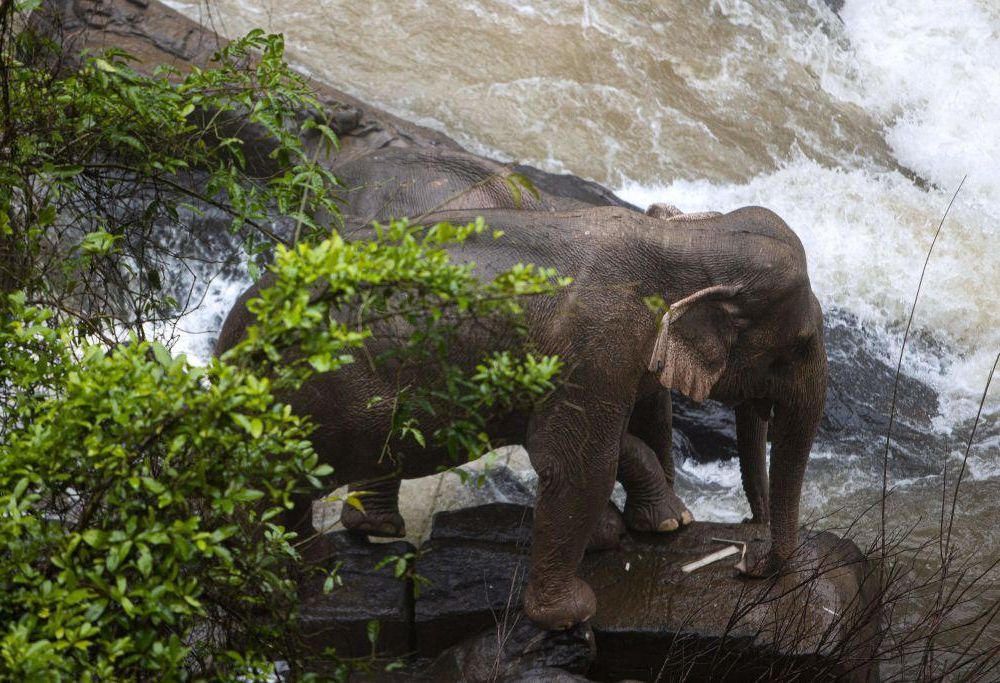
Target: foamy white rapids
197	331
932	70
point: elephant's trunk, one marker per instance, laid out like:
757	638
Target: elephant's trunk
793	429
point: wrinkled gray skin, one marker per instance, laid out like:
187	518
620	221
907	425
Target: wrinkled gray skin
407	182
654	423
744	328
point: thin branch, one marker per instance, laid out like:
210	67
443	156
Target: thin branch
899	365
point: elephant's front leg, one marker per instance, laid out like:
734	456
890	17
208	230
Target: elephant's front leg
646	467
573	446
751	444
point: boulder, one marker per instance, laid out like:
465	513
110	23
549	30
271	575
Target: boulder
859	400
476	565
517	651
653	620
340	618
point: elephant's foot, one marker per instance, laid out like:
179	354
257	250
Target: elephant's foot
666	512
609	530
384	524
760	561
557	609
650	502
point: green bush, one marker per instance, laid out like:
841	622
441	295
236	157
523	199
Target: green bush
140	494
136	501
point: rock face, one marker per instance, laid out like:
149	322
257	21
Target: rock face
476	562
654	622
339	619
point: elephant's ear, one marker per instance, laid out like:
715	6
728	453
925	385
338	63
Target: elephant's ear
694	341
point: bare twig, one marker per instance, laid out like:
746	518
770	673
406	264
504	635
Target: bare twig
899	365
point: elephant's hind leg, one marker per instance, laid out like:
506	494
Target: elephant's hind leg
609	530
380	516
650	503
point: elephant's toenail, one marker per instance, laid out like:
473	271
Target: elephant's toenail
686	518
668	525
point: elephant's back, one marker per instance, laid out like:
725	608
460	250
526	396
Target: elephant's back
398	183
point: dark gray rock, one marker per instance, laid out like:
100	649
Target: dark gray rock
517	651
821	621
476	564
545	675
499	524
339	619
573	187
705	432
859	402
835	5
509	486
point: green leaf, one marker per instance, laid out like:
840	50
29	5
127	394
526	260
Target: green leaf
104	65
145	561
20	488
64	172
162	355
27	6
98	242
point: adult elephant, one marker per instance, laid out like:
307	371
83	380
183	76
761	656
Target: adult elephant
409	183
743	327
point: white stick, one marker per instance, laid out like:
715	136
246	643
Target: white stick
709	559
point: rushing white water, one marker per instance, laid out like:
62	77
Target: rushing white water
857	130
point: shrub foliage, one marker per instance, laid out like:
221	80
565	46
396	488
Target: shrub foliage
141	493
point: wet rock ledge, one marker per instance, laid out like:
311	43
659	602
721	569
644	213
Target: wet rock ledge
654	622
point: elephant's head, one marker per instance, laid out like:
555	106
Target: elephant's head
750	332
